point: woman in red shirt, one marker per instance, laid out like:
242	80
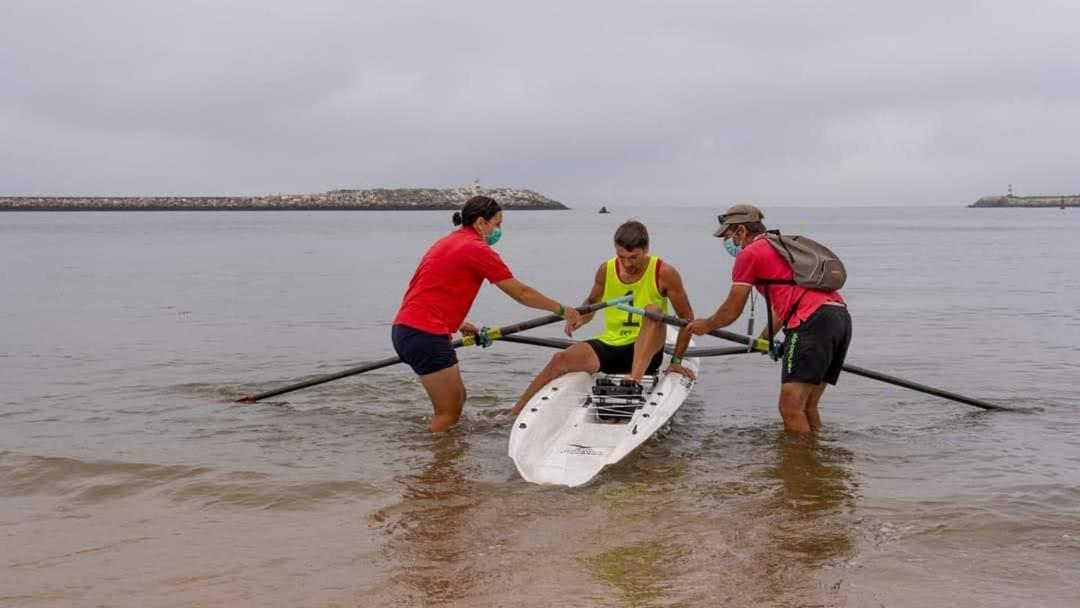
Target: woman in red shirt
440	294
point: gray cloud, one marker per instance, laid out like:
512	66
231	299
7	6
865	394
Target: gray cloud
679	103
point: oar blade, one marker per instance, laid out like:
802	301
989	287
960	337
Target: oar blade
763	345
922	388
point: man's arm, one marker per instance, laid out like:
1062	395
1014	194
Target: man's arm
597	291
671	286
732	307
726	314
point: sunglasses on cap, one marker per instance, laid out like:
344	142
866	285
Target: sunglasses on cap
736	216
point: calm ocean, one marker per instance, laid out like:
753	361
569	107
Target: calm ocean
125	481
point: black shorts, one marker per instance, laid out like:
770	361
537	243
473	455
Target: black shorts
620	359
425	353
814	351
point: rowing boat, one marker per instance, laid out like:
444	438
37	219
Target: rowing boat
579	423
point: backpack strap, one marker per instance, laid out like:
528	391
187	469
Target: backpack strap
780	239
794	307
768	310
775	282
767	282
768	301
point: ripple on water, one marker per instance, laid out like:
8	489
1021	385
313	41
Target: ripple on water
99	482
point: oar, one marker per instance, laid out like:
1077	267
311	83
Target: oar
563	343
710	352
558	343
494	333
754	343
922	388
763	346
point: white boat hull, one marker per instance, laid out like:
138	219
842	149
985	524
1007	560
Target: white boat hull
560	437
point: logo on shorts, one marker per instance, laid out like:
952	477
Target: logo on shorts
791	351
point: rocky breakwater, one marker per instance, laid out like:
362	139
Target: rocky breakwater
377	199
1069	200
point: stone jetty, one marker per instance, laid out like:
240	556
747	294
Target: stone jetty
394	199
1008	200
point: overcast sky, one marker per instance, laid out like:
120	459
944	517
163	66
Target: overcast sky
642	103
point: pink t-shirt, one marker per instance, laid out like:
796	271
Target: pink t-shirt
759	260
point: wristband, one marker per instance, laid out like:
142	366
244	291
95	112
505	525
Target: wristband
676	360
562	310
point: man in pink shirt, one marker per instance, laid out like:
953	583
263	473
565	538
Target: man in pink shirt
816	324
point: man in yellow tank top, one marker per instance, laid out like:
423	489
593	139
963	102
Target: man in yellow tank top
630	344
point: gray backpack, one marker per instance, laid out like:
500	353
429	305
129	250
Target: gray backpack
814	265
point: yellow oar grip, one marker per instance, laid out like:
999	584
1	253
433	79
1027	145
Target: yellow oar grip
493	333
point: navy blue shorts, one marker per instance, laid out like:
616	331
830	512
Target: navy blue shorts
425	353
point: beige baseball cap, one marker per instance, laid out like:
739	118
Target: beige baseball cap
738	214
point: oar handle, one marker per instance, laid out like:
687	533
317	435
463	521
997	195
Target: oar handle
494	334
755	343
763	345
563	344
559	343
712	352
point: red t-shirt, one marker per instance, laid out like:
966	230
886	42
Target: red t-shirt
447	280
759	260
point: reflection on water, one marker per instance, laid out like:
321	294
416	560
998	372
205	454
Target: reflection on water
817	490
770	536
632	555
814	476
638	571
431	542
810	513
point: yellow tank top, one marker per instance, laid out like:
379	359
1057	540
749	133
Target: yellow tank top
622	328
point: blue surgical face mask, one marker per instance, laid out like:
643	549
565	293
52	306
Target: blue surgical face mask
731	247
493	238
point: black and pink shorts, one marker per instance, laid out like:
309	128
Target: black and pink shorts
814	351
